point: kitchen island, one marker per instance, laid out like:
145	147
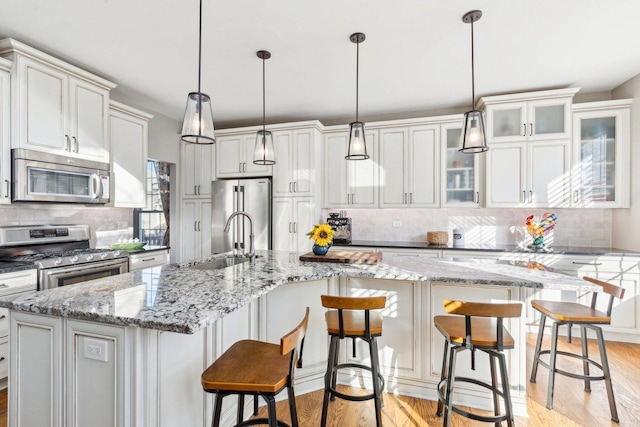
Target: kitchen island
128	350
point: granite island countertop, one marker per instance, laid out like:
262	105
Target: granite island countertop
184	299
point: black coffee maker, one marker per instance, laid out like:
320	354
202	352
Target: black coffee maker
342	226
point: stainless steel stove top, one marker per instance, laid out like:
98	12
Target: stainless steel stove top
50	246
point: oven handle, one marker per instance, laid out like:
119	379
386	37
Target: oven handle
93	267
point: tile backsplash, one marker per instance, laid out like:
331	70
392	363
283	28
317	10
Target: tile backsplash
107	224
574	227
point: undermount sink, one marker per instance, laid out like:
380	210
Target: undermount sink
220	263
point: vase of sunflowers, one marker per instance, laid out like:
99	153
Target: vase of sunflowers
322	235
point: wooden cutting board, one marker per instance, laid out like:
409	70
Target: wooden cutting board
344	257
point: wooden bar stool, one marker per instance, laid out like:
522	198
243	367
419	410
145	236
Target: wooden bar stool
482	329
351	317
569	313
257	368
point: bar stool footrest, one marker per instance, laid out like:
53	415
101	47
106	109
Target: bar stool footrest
351	397
571	374
484	418
261	421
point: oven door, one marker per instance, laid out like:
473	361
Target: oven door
55	277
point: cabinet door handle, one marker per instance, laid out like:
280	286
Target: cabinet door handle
524	132
530	196
530	129
199	190
239	167
290	228
586	263
67	143
353	198
295	186
524	196
76	145
7	185
143	260
411	198
404	199
576	196
244	167
4	316
195	225
476	199
290	190
295	227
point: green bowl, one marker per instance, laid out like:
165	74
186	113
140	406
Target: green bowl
134	246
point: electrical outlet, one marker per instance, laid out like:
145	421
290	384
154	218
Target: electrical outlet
397	224
95	349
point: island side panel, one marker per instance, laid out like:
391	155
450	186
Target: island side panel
35	377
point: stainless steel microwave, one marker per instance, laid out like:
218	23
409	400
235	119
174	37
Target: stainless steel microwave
45	177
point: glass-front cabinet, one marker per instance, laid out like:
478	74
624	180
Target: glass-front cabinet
601	154
461	172
534	116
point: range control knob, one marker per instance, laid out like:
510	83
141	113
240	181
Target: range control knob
103	255
58	261
75	258
116	254
89	257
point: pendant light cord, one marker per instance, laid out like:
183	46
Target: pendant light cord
200	70
473	83
357	75
264	129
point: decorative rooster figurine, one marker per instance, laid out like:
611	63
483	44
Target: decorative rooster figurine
538	231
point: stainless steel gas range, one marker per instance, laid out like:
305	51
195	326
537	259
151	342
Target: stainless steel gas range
61	253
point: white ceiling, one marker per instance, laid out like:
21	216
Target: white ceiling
416	57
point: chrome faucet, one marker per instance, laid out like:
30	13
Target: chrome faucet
252	251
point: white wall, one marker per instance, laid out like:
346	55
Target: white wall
164	139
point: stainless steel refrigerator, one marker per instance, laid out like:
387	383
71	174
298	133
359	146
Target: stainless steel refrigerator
250	195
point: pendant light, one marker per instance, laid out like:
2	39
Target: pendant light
474	139
357	149
197	127
264	153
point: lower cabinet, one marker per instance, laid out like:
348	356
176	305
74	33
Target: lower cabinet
138	261
196	229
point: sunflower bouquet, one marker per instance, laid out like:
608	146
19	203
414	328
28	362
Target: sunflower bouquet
322	234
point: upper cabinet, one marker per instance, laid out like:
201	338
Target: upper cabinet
350	183
601	154
5	132
533	116
298	166
234	156
128	131
409	166
58	108
197	169
460	172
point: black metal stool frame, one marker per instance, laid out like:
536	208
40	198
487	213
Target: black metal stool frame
330	378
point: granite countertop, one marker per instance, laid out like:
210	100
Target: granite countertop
560	250
180	298
11	266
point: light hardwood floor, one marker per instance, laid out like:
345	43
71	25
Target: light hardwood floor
573	406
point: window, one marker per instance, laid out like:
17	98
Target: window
150	224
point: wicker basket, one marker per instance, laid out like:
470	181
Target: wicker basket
437	237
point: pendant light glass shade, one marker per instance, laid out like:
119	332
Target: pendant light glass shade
197	126
264	153
357	149
474	137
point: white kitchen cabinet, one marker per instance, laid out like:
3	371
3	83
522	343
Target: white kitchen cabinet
197	169
350	183
524	174
297	162
409	166
601	156
293	218
5	131
128	133
150	258
58	108
460	176
533	116
234	156
196	229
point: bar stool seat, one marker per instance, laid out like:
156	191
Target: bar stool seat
475	326
257	368
351	317
585	317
